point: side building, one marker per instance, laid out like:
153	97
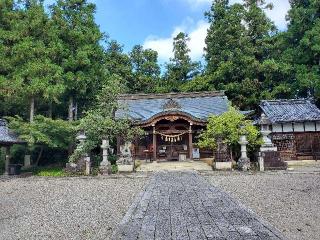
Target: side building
295	127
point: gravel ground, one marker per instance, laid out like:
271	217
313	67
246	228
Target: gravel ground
289	201
65	208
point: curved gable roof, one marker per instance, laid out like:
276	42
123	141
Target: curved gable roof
142	107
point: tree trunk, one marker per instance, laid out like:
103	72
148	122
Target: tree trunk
31	109
231	154
76	111
70	111
50	110
39	156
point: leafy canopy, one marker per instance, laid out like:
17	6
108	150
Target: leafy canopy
228	127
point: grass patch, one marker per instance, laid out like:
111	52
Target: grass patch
48	172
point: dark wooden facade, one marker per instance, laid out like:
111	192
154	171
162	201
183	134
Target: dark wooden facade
156	144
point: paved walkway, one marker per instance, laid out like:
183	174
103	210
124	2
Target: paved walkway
182	205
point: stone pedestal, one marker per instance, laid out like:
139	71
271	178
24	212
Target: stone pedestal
105	166
222	165
269	157
244	161
125	162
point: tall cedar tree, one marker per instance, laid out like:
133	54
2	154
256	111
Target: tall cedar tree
8	90
118	63
146	71
237	44
33	74
180	68
81	55
302	46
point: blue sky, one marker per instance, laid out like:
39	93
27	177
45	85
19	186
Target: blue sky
153	23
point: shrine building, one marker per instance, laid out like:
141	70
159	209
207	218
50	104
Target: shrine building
172	121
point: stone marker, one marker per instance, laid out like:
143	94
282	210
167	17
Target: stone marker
27	161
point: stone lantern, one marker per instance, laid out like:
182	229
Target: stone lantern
244	161
105	164
265	132
82	138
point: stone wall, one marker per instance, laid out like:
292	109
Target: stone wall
297	146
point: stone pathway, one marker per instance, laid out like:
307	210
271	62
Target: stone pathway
182	205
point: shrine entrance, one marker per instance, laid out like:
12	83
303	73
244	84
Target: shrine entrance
172	140
170	137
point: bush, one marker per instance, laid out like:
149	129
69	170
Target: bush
114	169
113	159
49	172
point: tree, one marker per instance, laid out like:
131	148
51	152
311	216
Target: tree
146	71
56	134
81	56
237	44
100	123
180	68
301	46
118	63
228	127
33	74
8	90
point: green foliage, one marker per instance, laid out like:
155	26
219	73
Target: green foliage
228	127
146	71
43	131
114	169
100	123
238	43
180	68
49	172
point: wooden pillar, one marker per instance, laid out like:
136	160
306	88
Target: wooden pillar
7	161
154	143
190	142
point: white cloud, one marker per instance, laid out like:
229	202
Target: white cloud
164	46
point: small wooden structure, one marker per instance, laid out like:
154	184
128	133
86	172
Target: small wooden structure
7	139
172	122
295	128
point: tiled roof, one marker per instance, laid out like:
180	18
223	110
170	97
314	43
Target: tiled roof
142	107
7	136
294	110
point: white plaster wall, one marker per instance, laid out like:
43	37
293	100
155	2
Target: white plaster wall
276	128
318	126
310	126
298	127
287	127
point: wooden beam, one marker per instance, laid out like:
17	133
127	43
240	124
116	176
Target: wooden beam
154	144
190	142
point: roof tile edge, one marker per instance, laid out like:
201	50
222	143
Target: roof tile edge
171	95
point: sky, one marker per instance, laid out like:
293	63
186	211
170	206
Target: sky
154	23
